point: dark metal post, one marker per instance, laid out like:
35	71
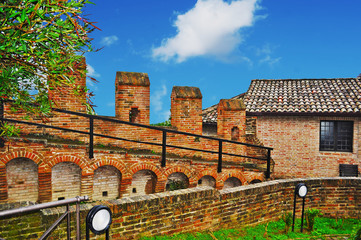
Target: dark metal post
268	173
78	235
294	212
303	211
164	149
87	235
220	156
68	223
107	234
91	137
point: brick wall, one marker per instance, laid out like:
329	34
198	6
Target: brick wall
106	183
202	208
295	140
22	180
65	181
64	170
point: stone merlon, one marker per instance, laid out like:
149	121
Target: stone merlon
132	78
186	92
232	104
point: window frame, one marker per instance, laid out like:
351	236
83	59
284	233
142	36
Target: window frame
335	136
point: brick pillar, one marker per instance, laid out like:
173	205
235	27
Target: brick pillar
124	185
186	109
132	96
160	186
44	186
87	185
3	183
64	96
231	120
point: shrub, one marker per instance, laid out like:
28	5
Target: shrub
311	215
175	185
287	218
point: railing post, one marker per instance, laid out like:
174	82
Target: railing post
68	230
164	148
91	137
268	172
219	169
78	233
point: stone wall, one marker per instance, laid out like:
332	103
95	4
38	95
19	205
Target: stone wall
202	208
295	140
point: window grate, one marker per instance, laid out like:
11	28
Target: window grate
348	170
336	136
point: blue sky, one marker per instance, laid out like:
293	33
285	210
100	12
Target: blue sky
219	45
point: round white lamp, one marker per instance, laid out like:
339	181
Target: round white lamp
98	220
301	190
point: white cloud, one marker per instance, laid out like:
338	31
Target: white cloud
156	99
109	40
91	73
157	102
212	27
266	55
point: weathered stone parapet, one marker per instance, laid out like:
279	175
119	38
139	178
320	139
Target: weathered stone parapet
201	208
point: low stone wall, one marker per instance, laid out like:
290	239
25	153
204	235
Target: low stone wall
201	208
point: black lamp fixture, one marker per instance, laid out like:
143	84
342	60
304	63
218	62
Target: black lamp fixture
301	190
98	221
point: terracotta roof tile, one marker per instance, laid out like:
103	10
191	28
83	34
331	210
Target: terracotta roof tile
335	95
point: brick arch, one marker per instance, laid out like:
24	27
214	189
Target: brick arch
209	173
238	175
68	158
37	158
255	178
146	166
106	162
184	170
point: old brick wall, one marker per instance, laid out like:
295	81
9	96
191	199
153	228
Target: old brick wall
64	170
203	208
295	140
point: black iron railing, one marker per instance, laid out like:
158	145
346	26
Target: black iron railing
66	214
164	144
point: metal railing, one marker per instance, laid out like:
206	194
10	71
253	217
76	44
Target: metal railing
164	144
66	214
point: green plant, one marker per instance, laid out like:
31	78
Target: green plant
311	215
287	218
175	185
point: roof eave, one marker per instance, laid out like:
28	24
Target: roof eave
326	114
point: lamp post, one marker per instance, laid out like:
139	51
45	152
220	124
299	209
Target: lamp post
98	221
301	191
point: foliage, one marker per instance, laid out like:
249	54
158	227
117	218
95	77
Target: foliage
41	45
163	124
287	218
323	227
311	215
357	233
173	185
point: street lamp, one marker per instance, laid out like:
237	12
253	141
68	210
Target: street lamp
301	191
98	221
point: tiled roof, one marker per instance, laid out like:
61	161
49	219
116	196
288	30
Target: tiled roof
338	95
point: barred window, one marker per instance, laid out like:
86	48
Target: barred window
336	136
